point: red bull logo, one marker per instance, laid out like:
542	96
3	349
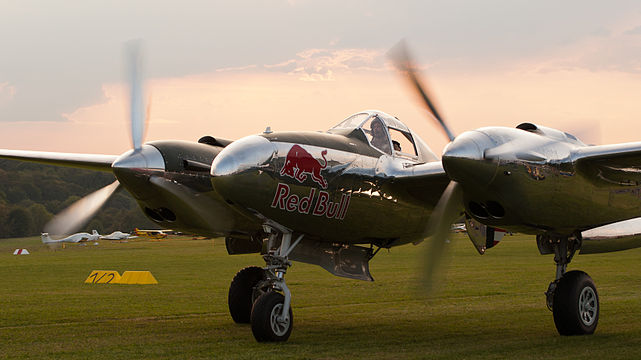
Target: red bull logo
299	163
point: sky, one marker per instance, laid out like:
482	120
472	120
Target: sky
231	68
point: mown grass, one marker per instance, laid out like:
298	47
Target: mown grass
488	307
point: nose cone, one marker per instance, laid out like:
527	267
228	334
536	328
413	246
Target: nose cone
464	161
251	152
134	167
237	172
147	157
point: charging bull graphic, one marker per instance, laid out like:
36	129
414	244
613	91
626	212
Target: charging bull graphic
299	163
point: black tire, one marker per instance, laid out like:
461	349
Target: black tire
576	304
263	319
240	298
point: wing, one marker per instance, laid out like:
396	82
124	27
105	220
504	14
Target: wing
616	164
84	161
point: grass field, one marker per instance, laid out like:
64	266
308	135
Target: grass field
489	307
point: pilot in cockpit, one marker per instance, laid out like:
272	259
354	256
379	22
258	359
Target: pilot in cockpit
379	136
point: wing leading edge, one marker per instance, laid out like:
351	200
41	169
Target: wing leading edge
83	161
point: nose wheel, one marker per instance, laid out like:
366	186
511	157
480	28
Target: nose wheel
260	296
245	288
268	324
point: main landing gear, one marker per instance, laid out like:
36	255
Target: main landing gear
572	296
259	296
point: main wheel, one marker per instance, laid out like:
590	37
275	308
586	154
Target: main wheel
266	325
576	304
241	293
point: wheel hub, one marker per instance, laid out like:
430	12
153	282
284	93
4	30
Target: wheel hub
280	324
587	306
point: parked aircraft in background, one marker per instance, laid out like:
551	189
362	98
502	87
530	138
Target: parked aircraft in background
151	234
458	227
75	238
116	235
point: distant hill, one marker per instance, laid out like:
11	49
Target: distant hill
31	193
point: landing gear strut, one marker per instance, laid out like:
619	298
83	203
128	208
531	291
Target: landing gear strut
260	296
572	296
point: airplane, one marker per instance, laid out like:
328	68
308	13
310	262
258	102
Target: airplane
116	235
151	234
75	238
335	198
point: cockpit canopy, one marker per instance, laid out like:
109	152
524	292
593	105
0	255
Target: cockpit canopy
388	135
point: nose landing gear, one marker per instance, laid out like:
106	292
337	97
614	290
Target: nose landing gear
260	296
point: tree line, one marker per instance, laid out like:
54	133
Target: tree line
30	194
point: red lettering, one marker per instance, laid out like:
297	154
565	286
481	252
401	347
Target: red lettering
305	204
340	207
321	204
281	194
332	210
285	200
344	212
292	202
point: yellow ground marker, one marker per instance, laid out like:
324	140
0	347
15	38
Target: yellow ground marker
103	277
137	277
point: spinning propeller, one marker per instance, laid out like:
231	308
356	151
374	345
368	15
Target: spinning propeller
450	205
77	215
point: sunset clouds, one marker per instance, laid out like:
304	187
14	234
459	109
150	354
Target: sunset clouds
231	69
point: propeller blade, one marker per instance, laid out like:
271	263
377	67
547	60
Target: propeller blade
447	210
139	111
71	219
403	62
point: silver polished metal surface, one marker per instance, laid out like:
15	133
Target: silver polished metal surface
469	145
147	157
464	161
247	153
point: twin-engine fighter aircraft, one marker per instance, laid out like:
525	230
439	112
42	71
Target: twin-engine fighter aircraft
335	198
